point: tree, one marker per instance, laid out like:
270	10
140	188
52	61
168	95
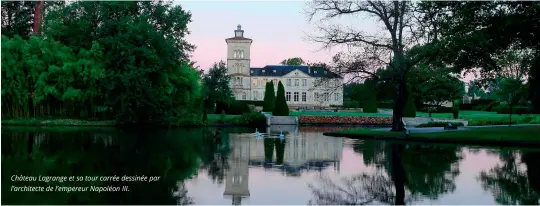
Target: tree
476	90
511	92
281	108
477	34
410	108
216	84
373	49
148	75
295	61
269	97
369	103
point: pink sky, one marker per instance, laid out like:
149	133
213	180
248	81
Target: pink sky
279	30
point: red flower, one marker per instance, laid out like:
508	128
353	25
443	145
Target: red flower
344	120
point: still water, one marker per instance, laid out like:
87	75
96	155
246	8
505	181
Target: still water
226	166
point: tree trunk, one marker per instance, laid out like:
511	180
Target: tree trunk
398	174
510	123
399	105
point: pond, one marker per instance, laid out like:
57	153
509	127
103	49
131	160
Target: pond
223	166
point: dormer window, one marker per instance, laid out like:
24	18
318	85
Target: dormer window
263	70
252	71
274	71
315	72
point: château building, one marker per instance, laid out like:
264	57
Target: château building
302	84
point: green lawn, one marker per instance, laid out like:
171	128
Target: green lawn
214	118
515	133
56	122
474	117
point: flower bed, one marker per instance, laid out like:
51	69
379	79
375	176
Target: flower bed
344	120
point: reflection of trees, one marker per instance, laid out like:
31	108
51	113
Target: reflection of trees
170	154
514	182
268	150
216	150
382	186
427	170
280	150
431	169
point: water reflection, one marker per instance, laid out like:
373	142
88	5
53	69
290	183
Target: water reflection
232	166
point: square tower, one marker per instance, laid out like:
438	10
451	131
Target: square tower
238	64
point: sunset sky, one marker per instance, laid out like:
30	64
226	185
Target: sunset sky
279	30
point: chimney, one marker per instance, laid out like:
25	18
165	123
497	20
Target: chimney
309	69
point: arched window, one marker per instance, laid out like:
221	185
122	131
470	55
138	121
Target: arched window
238	81
255	95
241	54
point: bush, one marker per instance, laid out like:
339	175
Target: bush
455	109
269	97
237	108
280	107
410	108
254	118
386	105
252	102
490	106
505	109
440	124
351	104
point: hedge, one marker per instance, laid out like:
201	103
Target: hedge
253	102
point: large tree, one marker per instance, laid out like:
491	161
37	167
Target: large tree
148	75
216	84
476	34
295	61
394	48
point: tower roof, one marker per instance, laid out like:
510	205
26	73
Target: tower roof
238	34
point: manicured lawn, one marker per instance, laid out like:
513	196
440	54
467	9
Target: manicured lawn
474	117
515	133
214	118
56	122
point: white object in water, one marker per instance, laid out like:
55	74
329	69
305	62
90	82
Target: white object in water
257	133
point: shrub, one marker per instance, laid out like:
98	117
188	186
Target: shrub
455	109
222	117
254	118
269	97
440	124
410	108
490	106
351	104
386	105
252	102
505	109
280	107
237	108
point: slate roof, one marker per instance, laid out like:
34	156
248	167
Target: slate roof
238	38
283	70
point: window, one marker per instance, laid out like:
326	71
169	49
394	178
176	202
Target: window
336	97
244	96
274	71
263	82
326	96
315	72
304	82
304	96
295	96
241	54
296	82
288	82
263	71
316	96
288	96
255	82
255	95
238	81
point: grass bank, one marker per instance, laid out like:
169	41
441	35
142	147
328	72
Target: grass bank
212	120
506	136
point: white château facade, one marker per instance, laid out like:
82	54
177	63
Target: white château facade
302	84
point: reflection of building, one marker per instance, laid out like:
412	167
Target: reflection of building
236	178
308	151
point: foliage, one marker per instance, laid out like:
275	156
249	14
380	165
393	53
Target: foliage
455	109
440	124
216	84
133	66
281	108
505	109
410	107
475	89
295	61
269	97
369	97
257	103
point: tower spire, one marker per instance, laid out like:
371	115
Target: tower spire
239	32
